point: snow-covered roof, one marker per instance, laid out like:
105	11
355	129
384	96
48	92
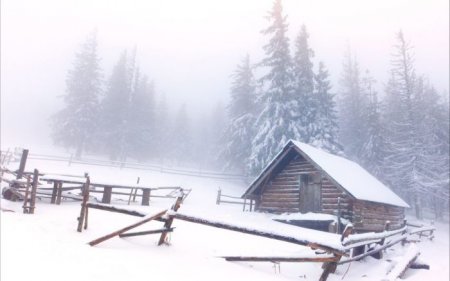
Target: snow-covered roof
349	175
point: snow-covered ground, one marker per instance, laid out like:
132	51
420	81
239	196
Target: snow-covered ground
46	246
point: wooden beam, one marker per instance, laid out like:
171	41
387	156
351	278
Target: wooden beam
245	230
125	229
139	233
281	259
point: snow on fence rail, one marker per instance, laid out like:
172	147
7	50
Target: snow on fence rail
150	167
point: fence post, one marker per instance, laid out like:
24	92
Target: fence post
23	161
25	199
219	194
84	207
33	191
404	232
330	267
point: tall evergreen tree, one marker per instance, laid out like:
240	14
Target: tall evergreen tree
372	153
241	111
181	138
325	133
275	124
352	105
75	124
141	131
303	87
116	109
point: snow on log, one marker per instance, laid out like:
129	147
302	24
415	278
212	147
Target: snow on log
403	263
281	259
355	238
258	232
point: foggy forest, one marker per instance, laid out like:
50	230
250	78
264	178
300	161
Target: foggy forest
397	128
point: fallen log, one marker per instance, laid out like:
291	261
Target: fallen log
270	235
125	229
139	233
281	259
419	265
403	264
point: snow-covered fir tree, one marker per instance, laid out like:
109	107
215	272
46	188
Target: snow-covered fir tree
372	153
141	132
303	88
241	112
181	138
75	125
414	159
275	124
115	109
325	133
351	108
162	128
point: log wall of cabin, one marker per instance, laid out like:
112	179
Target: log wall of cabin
373	216
330	195
281	193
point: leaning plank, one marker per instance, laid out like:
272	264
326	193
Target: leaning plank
139	233
281	259
125	229
256	232
403	264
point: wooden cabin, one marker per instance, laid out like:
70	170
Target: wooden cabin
303	179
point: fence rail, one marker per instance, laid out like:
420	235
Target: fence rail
131	165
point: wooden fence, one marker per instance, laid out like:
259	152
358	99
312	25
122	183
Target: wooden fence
352	247
228	199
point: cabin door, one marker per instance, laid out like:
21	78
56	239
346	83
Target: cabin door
310	193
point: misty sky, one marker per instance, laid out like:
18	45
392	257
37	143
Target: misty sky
190	48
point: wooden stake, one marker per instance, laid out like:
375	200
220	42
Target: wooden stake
83	205
33	191
169	221
25	199
330	267
125	229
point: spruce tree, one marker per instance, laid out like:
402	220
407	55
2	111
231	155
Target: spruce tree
141	133
241	112
352	105
303	87
372	153
115	109
275	124
75	125
325	133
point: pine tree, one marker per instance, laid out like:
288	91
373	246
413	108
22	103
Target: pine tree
162	128
352	105
75	125
181	138
241	112
275	124
304	87
116	109
372	153
141	132
325	134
